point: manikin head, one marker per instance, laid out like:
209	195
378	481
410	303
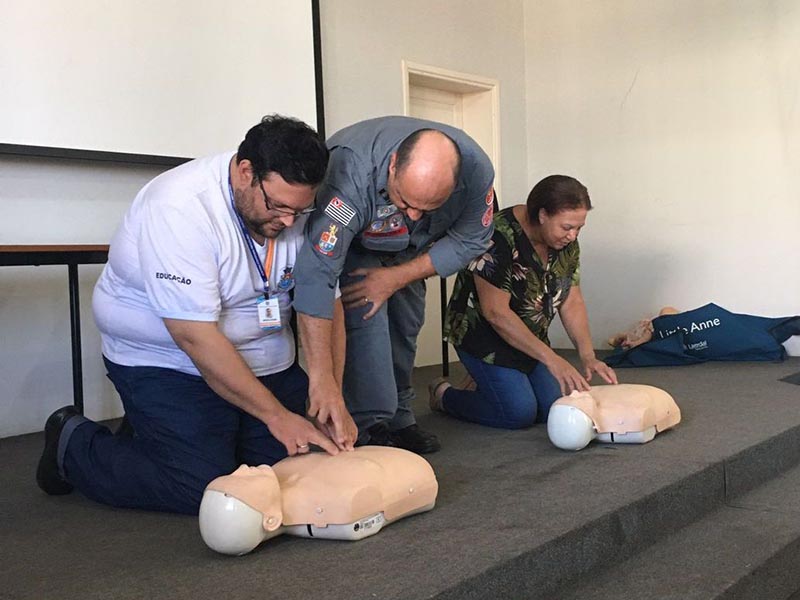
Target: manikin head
241	510
569	428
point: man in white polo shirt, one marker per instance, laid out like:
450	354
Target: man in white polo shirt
193	309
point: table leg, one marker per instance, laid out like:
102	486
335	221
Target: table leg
442	310
75	330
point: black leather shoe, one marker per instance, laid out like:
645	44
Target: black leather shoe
414	439
47	475
377	435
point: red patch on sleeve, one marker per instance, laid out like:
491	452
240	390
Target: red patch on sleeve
487	216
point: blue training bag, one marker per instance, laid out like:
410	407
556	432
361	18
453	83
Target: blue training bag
709	333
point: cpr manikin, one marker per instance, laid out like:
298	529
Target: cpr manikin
622	413
640	333
349	496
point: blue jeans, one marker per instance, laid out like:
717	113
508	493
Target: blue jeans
504	398
185	436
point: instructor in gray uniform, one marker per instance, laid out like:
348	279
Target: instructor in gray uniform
403	199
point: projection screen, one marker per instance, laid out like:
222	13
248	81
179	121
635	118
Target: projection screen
152	78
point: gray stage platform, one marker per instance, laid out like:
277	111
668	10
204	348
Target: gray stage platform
516	518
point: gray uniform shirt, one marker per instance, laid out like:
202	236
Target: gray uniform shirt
354	213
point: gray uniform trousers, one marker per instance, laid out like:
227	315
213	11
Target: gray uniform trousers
381	351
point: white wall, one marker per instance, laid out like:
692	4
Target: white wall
683	120
364	41
51	202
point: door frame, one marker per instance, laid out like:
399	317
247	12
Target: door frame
463	83
482	92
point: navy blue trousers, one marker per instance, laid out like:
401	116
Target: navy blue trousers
185	436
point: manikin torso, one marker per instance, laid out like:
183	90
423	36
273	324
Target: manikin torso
347	496
622	413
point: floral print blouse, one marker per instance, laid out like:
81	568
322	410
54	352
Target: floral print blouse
537	290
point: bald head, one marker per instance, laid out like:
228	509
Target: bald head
426	166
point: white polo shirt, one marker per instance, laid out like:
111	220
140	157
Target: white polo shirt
180	254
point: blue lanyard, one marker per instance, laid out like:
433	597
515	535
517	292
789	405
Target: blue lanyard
250	245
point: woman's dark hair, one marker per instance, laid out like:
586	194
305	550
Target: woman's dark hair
285	146
556	193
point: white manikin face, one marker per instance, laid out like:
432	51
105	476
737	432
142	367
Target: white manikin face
241	510
569	428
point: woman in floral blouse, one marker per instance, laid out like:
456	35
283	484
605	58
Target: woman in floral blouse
502	306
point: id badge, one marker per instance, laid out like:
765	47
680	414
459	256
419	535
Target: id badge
269	314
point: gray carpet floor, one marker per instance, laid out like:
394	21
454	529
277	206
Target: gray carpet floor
502	493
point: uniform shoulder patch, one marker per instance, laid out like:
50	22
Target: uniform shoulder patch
327	240
286	282
338	210
385	211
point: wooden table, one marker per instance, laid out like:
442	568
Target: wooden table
71	255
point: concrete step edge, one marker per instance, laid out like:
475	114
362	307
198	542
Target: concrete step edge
617	535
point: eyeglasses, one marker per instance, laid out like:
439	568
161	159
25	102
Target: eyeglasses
284	211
